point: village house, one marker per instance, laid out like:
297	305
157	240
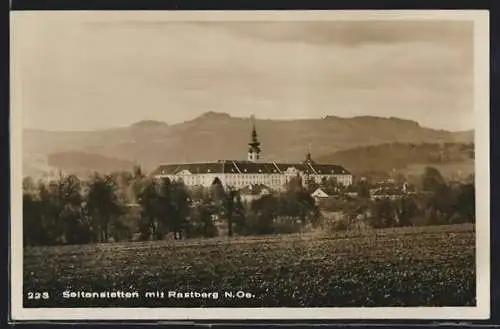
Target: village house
322	193
391	192
254	192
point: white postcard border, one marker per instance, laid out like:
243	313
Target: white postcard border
482	177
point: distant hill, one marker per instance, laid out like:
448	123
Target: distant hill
36	165
214	136
406	158
83	163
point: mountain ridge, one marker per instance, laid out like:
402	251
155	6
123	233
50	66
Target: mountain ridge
219	115
218	135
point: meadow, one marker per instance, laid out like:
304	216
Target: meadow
414	266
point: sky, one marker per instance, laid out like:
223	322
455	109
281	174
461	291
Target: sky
84	70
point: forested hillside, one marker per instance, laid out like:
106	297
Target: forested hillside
406	157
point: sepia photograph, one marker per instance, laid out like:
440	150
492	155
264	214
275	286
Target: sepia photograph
249	165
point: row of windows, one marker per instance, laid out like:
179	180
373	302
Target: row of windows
248	179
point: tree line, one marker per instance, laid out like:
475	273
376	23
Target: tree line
126	206
438	202
129	206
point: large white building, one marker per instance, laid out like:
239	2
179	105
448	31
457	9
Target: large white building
242	173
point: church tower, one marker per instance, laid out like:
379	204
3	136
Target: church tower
308	156
254	145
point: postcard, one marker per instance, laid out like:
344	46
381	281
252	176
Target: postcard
225	165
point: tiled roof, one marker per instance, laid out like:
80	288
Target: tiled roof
328	169
248	167
195	168
282	166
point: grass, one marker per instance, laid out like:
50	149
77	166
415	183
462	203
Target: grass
423	266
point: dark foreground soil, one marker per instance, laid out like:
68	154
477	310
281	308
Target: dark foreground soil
428	266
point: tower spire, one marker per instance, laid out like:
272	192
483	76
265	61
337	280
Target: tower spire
254	145
308	156
254	131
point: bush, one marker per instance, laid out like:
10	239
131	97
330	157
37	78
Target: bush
339	225
199	230
283	225
341	222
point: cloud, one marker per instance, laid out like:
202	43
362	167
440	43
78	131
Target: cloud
92	74
349	33
354	33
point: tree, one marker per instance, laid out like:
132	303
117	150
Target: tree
233	208
148	199
295	184
262	213
203	210
406	210
383	214
217	192
49	210
179	209
123	181
68	199
297	202
203	218
443	204
466	202
311	184
228	203
77	225
200	193
432	179
138	181
165	208
57	212
29	185
34	230
363	190
103	206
